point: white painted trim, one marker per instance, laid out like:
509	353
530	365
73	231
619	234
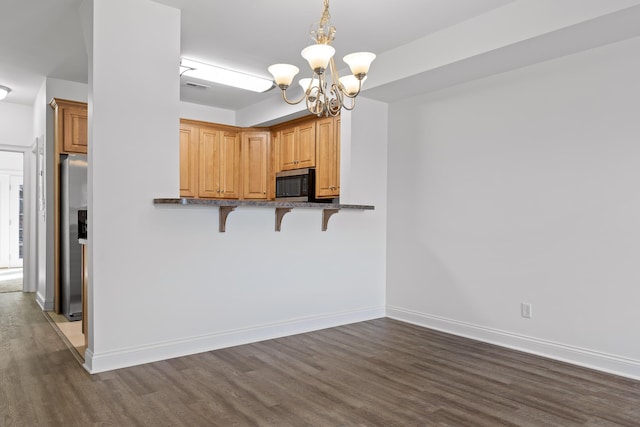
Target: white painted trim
609	363
101	362
43	303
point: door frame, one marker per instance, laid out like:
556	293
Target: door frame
28	176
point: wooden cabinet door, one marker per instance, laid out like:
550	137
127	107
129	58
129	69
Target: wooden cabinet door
71	126
188	161
288	151
328	158
306	145
229	165
255	165
209	163
274	163
75	133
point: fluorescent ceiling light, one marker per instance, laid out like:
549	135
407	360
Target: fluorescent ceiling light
4	91
211	73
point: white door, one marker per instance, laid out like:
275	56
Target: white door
16	221
11	220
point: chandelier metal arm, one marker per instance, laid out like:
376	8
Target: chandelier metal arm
353	104
284	96
335	103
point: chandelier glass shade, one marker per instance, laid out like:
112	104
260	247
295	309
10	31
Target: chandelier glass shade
325	92
4	91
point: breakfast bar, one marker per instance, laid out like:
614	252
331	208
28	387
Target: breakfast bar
281	208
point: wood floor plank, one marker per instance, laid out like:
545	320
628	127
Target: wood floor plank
377	373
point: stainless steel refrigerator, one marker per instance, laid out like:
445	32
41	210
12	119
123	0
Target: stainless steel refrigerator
73	196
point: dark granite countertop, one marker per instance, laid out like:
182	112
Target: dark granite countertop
258	203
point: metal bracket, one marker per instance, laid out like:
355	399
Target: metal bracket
326	214
280	213
224	212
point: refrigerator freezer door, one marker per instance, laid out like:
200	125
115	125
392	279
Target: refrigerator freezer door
73	196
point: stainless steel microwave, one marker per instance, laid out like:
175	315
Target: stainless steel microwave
298	185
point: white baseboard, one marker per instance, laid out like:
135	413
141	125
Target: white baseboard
106	361
617	365
44	304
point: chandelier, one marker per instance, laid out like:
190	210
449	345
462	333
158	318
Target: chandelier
325	95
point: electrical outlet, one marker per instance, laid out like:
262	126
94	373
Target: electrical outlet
526	311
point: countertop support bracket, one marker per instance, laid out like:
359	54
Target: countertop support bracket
224	212
282	207
326	214
280	213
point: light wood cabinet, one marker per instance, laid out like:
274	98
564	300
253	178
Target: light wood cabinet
209	160
328	157
71	124
274	162
226	162
188	160
298	146
219	163
255	154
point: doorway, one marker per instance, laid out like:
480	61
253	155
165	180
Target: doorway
12	221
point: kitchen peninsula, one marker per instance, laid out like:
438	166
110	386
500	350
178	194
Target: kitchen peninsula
281	208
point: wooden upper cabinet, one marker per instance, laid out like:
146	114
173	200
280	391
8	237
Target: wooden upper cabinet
208	163
297	146
230	165
288	154
306	145
328	157
188	161
219	163
227	162
255	165
71	125
274	163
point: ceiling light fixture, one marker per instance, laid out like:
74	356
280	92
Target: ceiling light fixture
4	91
212	73
324	96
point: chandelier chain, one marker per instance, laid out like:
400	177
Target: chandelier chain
326	17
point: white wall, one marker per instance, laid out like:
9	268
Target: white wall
206	113
16	124
11	162
523	187
38	200
165	282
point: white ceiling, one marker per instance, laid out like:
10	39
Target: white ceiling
37	39
40	38
43	38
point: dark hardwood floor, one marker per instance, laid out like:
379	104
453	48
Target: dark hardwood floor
376	373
